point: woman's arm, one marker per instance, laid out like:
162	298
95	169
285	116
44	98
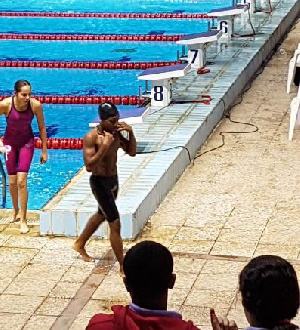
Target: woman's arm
5	105
38	111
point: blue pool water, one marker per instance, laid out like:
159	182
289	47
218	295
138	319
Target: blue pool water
87	51
63	121
154	6
100	26
72	81
72	120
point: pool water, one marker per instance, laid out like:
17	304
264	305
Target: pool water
151	6
100	26
73	81
87	51
67	121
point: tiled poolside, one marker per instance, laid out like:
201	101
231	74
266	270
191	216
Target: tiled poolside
233	203
236	202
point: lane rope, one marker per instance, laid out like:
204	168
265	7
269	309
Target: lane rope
96	65
60	143
107	15
90	37
87	99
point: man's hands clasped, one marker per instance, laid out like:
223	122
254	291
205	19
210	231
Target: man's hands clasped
124	127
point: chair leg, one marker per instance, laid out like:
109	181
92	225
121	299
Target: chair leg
291	74
293	117
298	119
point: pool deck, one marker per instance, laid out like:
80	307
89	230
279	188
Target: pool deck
147	178
234	203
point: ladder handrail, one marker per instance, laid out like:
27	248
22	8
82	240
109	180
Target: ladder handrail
3	183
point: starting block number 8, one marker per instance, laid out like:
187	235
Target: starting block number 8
158	93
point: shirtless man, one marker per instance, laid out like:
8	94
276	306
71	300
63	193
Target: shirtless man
100	146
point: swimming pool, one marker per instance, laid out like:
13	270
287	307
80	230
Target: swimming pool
72	120
158	6
87	51
100	26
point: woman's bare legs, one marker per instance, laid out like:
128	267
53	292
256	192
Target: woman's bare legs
23	195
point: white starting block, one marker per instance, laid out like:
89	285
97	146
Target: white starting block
225	20
294	63
251	5
294	114
132	115
161	82
197	44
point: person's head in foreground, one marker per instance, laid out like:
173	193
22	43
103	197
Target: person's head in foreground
270	292
148	269
109	116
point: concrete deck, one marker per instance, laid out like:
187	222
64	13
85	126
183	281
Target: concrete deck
233	203
146	179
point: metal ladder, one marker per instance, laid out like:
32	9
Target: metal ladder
3	184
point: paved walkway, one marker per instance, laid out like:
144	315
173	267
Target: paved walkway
234	203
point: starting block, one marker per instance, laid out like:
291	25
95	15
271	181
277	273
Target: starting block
197	44
251	5
293	65
132	115
225	20
161	82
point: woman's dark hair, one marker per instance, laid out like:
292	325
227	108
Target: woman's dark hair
270	291
148	267
20	83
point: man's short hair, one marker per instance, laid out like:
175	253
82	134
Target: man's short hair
148	268
270	291
107	110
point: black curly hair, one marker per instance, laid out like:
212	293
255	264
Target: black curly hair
270	292
148	267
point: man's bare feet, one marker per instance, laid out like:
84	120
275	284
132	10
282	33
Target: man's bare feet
15	216
82	252
23	227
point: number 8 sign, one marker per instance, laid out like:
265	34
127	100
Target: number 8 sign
158	94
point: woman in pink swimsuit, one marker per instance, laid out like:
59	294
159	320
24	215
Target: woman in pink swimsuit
19	111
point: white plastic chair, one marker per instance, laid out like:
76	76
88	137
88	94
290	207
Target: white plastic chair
294	62
294	114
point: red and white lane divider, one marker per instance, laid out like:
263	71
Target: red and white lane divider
91	37
60	143
89	99
107	15
88	65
